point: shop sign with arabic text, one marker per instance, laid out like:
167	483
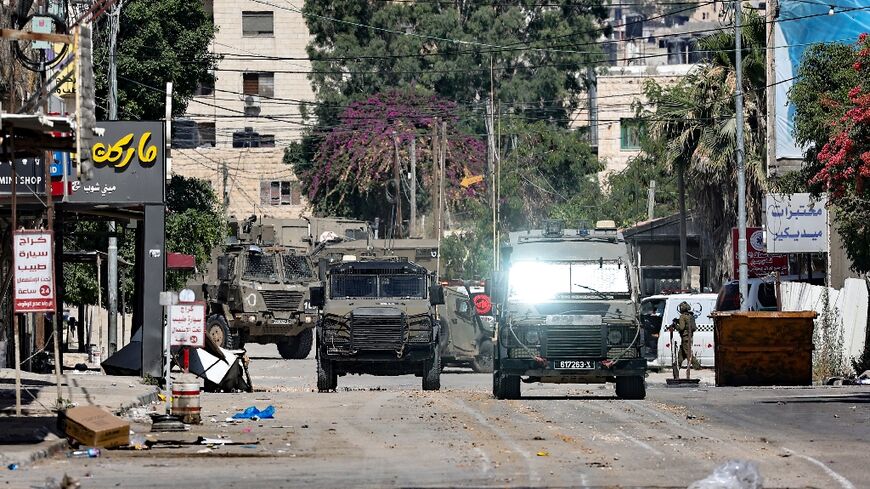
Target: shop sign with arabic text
187	324
129	165
796	223
33	261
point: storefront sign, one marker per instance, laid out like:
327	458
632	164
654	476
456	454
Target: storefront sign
129	165
796	223
30	174
187	324
760	262
33	261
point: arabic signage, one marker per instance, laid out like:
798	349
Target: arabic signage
760	262
187	324
129	165
796	223
30	174
34	271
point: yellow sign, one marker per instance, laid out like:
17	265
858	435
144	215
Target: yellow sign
469	181
121	153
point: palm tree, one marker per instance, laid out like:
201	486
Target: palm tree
695	122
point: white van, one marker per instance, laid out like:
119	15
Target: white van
702	305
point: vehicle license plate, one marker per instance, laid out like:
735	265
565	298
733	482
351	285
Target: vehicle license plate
573	364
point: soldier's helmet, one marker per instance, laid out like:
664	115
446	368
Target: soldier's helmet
685	307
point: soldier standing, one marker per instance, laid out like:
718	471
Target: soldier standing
685	326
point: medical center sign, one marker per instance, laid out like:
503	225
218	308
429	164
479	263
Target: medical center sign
129	165
796	223
34	271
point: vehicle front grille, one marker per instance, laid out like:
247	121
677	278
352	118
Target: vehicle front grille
282	300
378	332
575	341
614	353
420	328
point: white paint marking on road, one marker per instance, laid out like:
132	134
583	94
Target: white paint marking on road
534	477
641	444
485	462
844	482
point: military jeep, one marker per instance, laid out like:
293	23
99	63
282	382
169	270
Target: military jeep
377	318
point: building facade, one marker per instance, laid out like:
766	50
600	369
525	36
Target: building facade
235	132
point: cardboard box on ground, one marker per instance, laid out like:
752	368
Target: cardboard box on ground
93	426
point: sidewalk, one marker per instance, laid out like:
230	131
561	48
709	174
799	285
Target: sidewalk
34	435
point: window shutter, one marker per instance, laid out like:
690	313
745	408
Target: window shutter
258	24
296	197
285	193
275	193
251	83
265	187
267	84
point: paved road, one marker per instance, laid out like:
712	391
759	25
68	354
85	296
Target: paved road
385	432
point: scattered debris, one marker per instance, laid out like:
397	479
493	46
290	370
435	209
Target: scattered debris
539	438
213	441
734	474
12	466
543	454
94	427
87	453
253	413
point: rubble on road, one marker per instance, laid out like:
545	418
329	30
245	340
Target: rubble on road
94	426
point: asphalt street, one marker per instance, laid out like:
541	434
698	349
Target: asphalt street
386	432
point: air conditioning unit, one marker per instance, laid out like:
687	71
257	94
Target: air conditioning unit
252	102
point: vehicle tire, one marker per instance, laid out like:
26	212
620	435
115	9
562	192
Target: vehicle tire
432	371
219	331
631	387
327	379
304	341
287	347
506	386
483	362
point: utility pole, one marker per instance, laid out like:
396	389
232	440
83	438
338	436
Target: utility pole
397	177
684	265
412	228
741	166
112	286
440	224
770	69
651	201
15	323
436	182
114	20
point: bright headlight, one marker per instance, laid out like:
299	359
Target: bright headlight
538	281
614	336
532	337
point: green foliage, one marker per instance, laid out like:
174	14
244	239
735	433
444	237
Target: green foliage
158	42
693	123
627	197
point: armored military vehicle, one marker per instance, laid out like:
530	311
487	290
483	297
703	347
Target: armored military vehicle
260	294
378	318
466	335
567	311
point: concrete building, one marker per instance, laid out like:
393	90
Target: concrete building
235	132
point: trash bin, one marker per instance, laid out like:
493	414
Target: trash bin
760	348
185	399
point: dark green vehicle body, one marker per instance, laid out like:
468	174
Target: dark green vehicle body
566	309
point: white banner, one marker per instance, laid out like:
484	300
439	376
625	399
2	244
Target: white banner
796	223
34	271
187	324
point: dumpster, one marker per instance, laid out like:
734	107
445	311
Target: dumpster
760	348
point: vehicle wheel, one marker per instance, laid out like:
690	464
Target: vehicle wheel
506	386
432	372
483	362
327	379
304	340
287	347
631	387
219	331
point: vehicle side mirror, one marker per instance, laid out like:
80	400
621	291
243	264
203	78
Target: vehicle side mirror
436	295
223	268
317	296
322	265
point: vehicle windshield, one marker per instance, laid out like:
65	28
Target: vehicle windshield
296	268
536	281
261	267
359	285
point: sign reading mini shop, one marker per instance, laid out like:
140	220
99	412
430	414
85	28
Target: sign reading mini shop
34	271
129	165
30	176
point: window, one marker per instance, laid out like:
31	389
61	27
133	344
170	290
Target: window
207	136
260	84
205	88
630	132
258	24
267	140
280	193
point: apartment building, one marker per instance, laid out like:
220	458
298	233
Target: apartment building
235	132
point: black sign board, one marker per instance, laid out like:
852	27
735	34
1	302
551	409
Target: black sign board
30	173
129	165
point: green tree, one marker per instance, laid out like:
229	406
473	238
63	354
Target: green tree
158	42
832	103
694	121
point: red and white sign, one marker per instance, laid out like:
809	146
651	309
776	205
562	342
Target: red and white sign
187	324
34	271
760	262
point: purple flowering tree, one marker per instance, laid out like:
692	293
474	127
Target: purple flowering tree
351	171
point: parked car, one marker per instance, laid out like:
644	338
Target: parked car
761	296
